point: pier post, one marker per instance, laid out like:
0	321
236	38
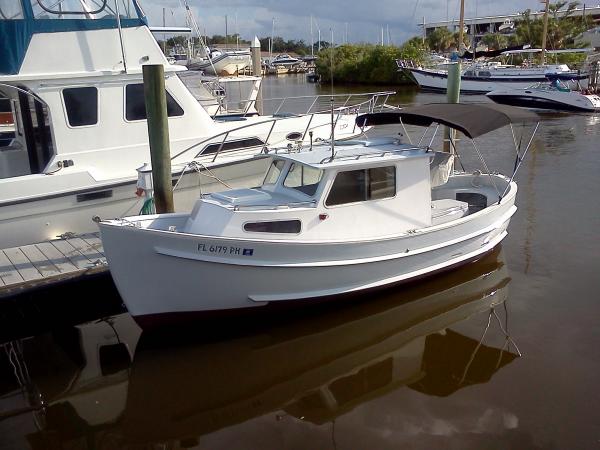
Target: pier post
452	96
257	71
158	136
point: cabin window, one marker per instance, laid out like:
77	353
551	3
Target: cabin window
237	144
303	178
484	74
81	105
469	73
360	185
275	226
135	104
274	172
10	10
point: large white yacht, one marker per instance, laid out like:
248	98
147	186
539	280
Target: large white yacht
72	71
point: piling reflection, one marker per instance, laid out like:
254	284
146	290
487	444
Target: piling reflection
101	385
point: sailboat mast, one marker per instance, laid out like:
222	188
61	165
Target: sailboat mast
461	25
545	33
312	41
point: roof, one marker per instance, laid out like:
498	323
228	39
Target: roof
352	153
473	120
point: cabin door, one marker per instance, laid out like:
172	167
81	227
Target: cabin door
36	132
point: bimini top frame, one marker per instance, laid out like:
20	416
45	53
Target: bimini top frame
473	120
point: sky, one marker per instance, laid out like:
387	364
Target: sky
349	20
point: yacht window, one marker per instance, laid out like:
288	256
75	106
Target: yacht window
484	74
236	144
10	10
81	105
274	171
135	104
469	73
276	226
82	9
68	9
361	185
303	178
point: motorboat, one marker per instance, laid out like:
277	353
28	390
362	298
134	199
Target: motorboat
284	60
550	95
410	339
481	78
222	62
507	26
81	129
325	221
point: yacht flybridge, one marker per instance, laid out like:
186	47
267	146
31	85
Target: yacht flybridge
72	72
326	220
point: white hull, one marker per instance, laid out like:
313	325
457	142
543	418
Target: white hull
49	216
226	64
202	267
438	81
41	207
546	99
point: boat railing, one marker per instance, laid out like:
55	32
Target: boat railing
290	205
337	157
295	138
316	103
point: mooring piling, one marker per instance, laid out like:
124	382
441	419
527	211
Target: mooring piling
158	136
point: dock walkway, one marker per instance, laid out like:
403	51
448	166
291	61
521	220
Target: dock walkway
35	265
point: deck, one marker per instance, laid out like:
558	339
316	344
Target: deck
36	265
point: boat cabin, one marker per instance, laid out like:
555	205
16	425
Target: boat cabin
367	189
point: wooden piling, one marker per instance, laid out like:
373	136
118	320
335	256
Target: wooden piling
158	135
452	96
257	71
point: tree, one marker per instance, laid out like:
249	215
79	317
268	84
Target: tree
440	39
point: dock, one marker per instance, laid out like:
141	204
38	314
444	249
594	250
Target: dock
33	266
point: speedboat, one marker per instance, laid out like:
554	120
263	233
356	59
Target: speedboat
80	128
285	60
223	62
552	95
325	221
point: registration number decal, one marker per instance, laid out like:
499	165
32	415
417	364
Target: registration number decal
224	249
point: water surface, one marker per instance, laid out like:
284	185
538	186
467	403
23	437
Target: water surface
501	354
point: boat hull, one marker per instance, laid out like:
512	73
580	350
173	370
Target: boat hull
437	81
225	64
568	101
162	273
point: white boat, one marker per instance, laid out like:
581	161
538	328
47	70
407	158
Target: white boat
483	78
551	96
507	26
325	221
284	60
223	62
80	128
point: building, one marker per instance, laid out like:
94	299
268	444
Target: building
479	26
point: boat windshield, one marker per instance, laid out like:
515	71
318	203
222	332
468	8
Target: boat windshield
83	9
10	10
274	171
303	178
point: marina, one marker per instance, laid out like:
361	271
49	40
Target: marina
289	263
549	291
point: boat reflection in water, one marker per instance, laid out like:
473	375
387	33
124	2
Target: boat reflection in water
315	367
